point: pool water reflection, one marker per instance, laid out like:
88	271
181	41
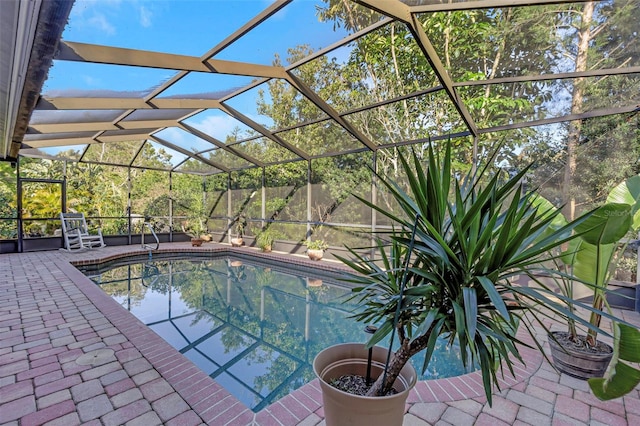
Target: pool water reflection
254	328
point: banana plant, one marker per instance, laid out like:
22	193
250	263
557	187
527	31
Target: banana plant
592	258
593	262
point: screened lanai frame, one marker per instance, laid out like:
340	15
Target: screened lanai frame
120	117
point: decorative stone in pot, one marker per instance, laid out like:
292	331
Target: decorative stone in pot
346	409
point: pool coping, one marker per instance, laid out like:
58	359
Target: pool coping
212	402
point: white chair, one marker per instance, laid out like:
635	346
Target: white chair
76	233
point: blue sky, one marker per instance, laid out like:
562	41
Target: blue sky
185	27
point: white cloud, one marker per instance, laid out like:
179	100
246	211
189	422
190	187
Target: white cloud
145	17
173	135
100	23
92	14
218	126
91	81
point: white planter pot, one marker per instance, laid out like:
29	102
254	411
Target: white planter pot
345	409
315	254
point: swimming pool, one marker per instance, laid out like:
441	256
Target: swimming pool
253	327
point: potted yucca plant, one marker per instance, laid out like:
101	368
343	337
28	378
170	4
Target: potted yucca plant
446	271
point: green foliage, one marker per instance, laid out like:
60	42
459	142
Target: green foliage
593	256
196	226
339	177
470	239
197	218
609	157
239	224
315	244
592	260
621	378
384	64
8	195
275	204
266	238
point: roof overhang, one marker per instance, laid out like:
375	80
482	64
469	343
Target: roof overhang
30	31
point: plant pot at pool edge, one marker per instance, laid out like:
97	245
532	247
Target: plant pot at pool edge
196	242
345	409
315	254
577	363
314	282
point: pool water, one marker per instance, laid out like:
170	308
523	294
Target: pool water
253	327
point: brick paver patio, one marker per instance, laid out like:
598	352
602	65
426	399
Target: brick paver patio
71	355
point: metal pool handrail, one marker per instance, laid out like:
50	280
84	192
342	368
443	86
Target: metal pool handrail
149	246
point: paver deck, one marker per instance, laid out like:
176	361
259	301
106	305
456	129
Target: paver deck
71	355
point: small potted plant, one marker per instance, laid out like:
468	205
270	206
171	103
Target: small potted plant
447	270
266	239
239	224
315	248
196	228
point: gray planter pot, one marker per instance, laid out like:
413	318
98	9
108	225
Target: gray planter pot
576	363
345	409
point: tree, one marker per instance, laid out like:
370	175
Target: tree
597	35
8	201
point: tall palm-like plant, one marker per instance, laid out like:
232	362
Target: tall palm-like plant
448	268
